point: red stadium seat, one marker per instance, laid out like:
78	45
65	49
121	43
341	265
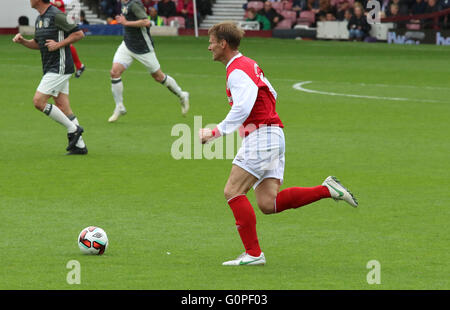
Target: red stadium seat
179	19
277	6
257	5
291	15
306	18
284	24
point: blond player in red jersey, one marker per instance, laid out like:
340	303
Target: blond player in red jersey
63	5
259	162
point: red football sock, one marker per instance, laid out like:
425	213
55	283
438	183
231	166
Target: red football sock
295	197
76	59
246	223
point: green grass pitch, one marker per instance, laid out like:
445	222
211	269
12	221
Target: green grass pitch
168	223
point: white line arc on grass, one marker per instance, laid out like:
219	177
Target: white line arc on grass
299	86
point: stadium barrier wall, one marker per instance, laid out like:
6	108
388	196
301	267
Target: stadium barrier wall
427	36
117	30
337	30
12	10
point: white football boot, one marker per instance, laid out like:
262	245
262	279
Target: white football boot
118	112
246	260
339	192
184	101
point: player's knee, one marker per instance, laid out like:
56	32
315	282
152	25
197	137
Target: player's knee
267	208
228	193
266	205
231	192
38	103
159	76
115	74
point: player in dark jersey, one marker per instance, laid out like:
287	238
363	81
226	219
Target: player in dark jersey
137	44
53	37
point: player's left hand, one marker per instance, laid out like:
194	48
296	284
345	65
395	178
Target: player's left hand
52	45
205	134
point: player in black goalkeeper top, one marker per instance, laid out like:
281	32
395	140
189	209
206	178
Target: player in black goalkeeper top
53	36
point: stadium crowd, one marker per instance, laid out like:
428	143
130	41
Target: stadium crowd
163	12
285	14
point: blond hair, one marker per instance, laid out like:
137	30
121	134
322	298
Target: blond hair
229	32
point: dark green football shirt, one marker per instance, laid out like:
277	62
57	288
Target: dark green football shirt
53	25
137	39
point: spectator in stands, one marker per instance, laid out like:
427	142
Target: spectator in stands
204	7
326	11
298	6
341	6
419	7
348	14
109	7
148	4
432	7
185	8
394	11
111	21
357	26
83	20
402	7
312	5
269	12
167	8
264	23
23	21
154	17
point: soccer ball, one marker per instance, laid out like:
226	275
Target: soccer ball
93	240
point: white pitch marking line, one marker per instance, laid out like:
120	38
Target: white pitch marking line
299	86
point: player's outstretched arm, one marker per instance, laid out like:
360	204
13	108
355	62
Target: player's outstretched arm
32	44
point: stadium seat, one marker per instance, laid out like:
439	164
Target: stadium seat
174	20
413	26
277	6
284	24
257	5
306	18
291	15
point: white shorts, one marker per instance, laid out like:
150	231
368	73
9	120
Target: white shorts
262	154
52	84
125	57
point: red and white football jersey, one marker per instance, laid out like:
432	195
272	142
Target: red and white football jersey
251	96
